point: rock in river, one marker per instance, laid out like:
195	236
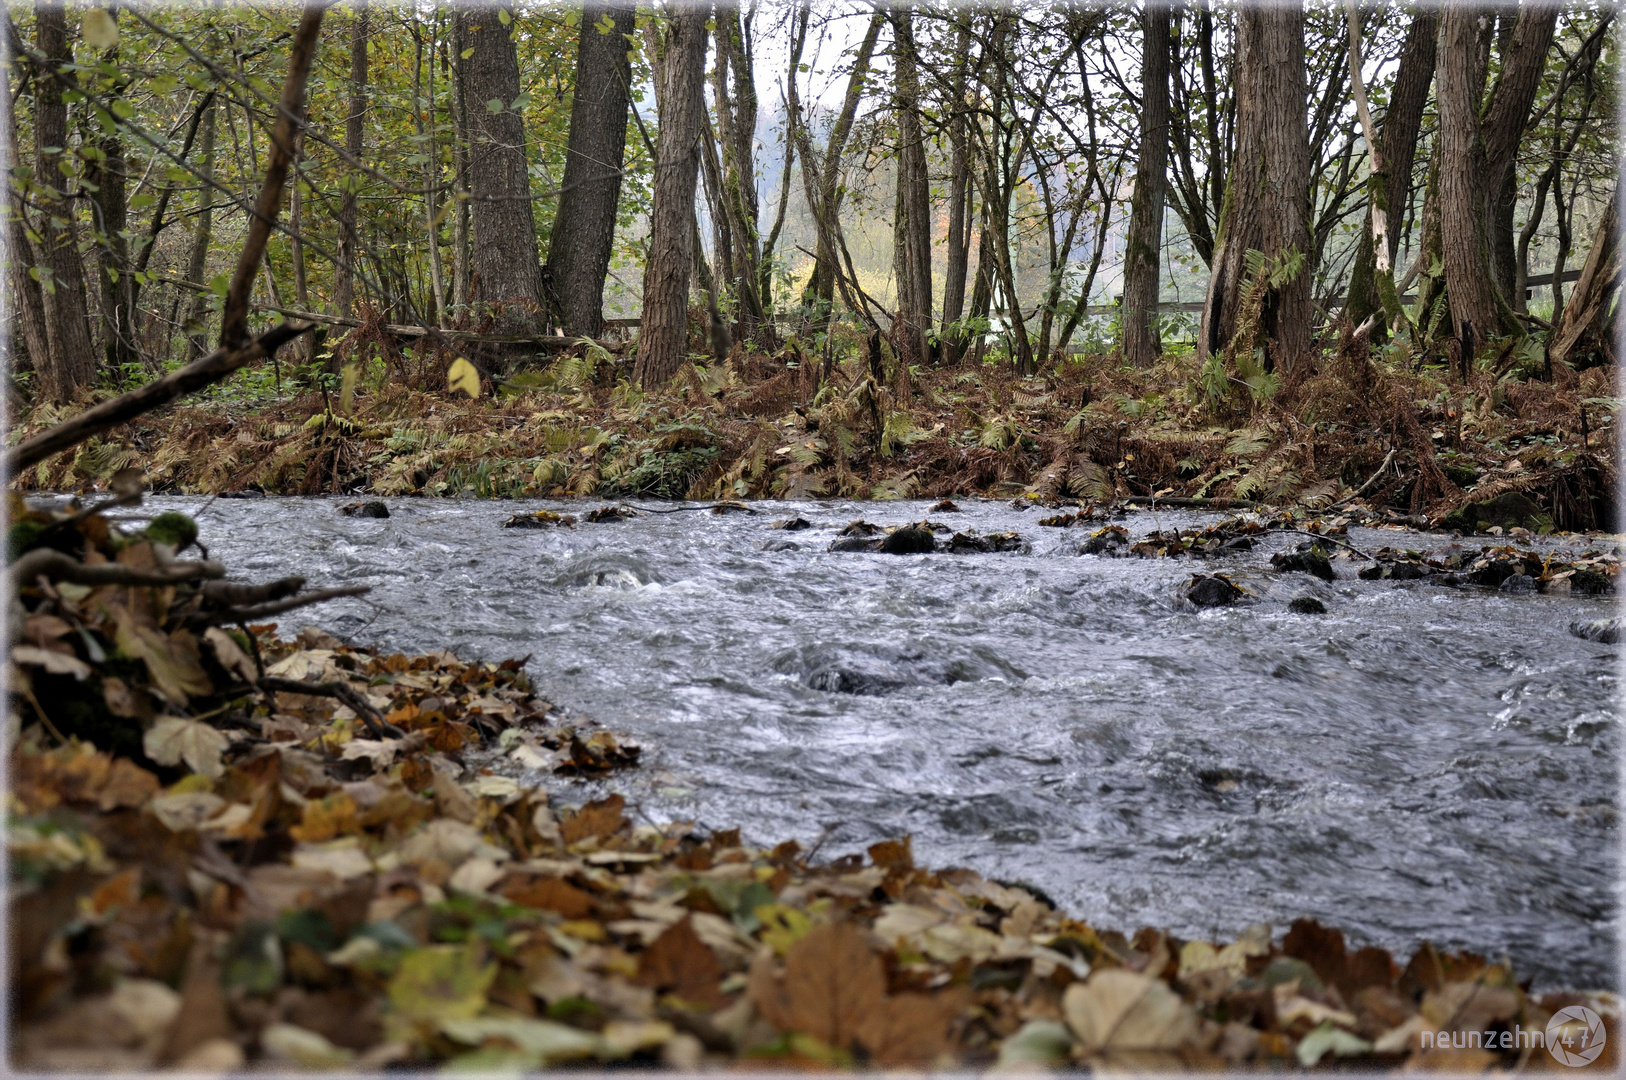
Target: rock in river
909	540
1310	559
372	508
1213	590
1306	605
1606	631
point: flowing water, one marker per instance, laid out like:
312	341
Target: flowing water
1419	762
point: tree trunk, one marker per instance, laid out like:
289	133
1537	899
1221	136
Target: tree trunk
959	194
735	96
662	341
106	175
22	257
71	363
1583	332
460	171
584	227
911	226
1267	201
1402	125
1523	60
505	270
1477	311
824	194
1141	343
355	128
423	119
197	265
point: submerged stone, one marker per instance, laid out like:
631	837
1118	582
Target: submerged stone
372	508
1306	605
1312	561
909	540
1605	631
1213	591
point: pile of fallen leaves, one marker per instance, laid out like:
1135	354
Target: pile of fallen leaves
278	914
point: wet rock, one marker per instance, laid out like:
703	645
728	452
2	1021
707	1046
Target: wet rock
1517	583
966	543
1312	560
246	493
1111	540
859	528
795	524
1509	509
372	508
909	540
611	513
1605	631
778	545
539	519
1306	605
1213	590
732	507
856	543
1589	582
946	507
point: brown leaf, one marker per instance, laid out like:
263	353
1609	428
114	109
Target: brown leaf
596	819
680	963
549	894
122	700
128	784
912	1029
453	801
202	1015
893	854
832	981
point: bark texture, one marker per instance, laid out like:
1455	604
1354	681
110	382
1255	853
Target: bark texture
1141	343
1476	308
355	130
911	227
1585	333
1402	124
70	364
505	270
28	302
584	228
1268	197
663	340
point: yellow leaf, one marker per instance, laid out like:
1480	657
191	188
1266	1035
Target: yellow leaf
98	29
782	926
347	386
462	376
441	982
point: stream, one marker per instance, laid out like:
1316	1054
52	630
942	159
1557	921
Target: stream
1421	762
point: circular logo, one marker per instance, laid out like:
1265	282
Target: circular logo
1575	1035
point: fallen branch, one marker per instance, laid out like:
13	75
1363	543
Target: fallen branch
261	611
55	566
1370	480
1190	504
344	693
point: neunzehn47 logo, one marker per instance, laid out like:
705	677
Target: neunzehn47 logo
1575	1036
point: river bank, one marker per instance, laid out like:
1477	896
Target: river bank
1357	431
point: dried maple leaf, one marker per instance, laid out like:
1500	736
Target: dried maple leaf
832	981
679	962
596	819
912	1029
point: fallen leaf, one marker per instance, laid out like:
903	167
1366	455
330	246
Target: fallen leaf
1120	1010
172	740
186	811
230	655
596	820
303	1048
546	1040
53	662
549	894
128	785
680	963
912	1029
832	980
440	983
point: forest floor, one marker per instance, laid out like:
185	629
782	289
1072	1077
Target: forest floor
1415	444
227	846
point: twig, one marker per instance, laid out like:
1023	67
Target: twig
56	566
1370	480
277	607
342	691
236	593
1330	540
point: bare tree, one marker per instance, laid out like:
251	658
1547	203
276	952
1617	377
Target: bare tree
584	228
1144	244
355	128
662	341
